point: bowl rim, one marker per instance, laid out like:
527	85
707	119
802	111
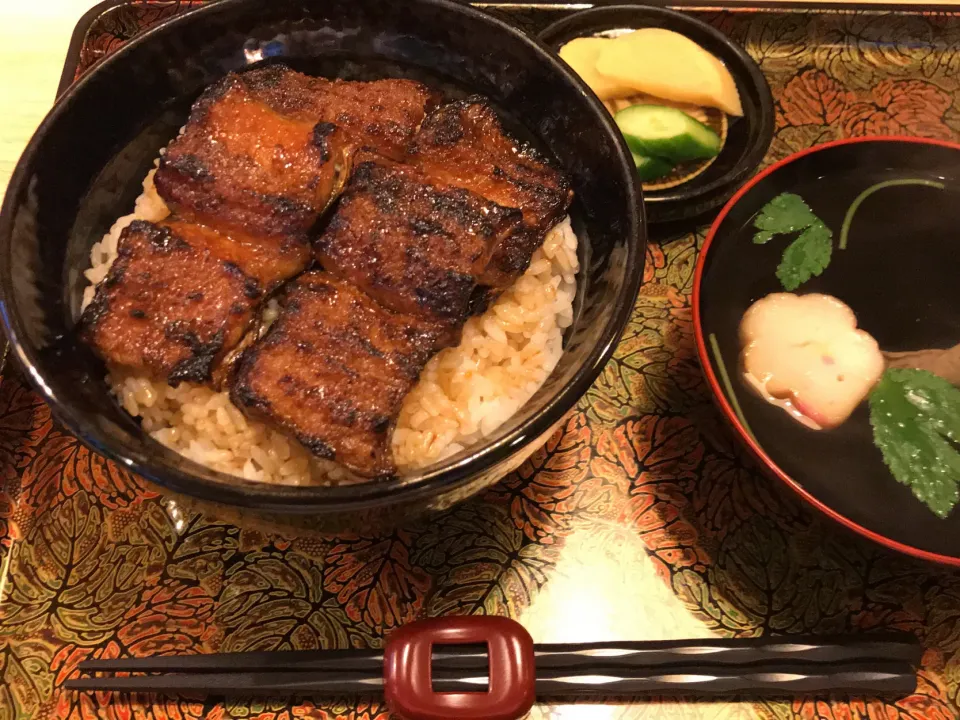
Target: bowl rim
716	389
753	76
302	500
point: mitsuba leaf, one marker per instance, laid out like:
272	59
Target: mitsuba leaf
786	213
809	254
916	424
806	257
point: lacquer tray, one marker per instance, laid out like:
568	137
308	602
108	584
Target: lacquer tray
640	519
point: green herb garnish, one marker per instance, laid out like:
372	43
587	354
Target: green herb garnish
858	201
806	256
786	213
809	254
728	386
916	424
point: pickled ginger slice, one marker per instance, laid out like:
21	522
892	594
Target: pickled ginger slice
581	54
669	65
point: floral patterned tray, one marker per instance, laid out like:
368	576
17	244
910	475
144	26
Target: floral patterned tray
640	519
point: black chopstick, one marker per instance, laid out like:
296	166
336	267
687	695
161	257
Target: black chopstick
240	683
873	664
288	660
890	678
738	652
585	656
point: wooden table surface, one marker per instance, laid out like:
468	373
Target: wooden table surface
34	35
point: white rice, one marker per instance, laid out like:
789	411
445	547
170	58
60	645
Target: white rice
463	395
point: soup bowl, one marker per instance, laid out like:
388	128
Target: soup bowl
892	206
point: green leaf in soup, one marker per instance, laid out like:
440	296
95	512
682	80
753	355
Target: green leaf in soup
916	424
762	237
786	213
806	257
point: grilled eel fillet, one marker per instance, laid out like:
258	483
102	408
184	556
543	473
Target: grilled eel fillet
422	240
240	165
407	250
266	150
380	116
462	144
179	296
412	245
334	368
401	258
258	161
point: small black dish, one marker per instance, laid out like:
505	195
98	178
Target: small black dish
84	168
747	138
898	274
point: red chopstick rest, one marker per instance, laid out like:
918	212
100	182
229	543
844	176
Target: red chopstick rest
407	674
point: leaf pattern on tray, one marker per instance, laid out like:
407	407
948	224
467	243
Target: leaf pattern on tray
641	498
544	494
374	581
